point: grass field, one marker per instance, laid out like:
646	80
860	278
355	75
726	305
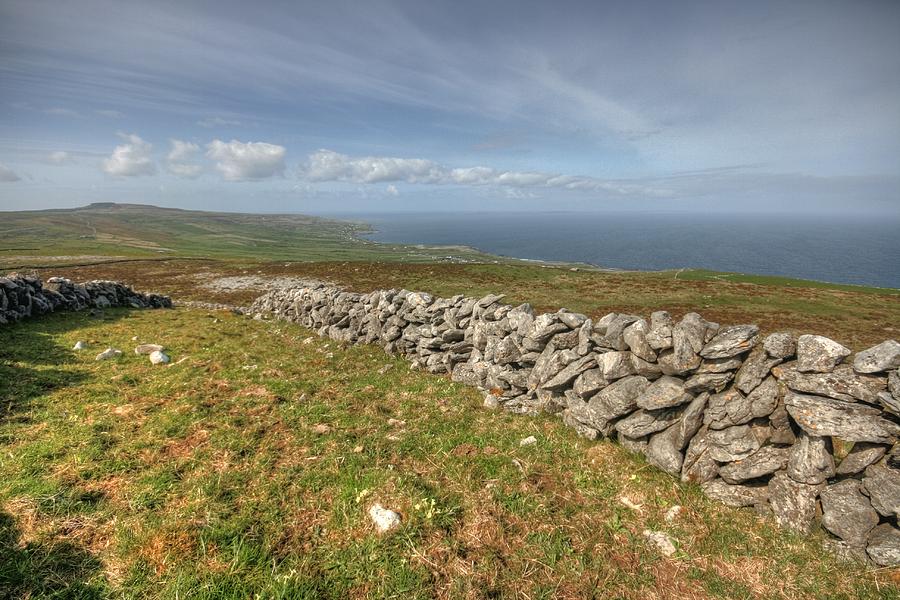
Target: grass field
245	471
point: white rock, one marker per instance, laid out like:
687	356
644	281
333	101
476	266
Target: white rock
158	357
661	540
672	513
384	518
818	354
79	346
148	349
529	441
109	353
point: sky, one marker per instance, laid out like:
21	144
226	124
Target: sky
374	106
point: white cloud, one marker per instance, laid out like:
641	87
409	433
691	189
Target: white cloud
327	165
392	190
62	112
180	159
60	157
130	159
239	161
7	174
218	122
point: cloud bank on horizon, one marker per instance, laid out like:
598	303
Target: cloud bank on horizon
408	105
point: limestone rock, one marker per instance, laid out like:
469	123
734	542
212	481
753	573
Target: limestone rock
661	541
860	456
644	422
780	423
570	419
894	384
818	354
754	370
384	519
847	513
663	393
660	335
158	357
735	495
698	465
731	341
620	397
615	365
589	383
884	545
889	402
793	503
691	421
721	365
764	461
635	336
108	354
79	345
732	443
570	372
841	384
780	345
148	348
882	485
637	445
664	451
707	382
811	460
851	422
876	359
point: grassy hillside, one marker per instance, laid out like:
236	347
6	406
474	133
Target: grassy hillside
139	231
246	469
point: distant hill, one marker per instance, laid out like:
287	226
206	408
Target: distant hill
143	231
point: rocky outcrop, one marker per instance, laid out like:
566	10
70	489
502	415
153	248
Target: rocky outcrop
755	422
22	297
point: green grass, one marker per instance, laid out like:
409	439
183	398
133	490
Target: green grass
212	479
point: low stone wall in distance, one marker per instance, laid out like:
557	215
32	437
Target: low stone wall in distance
786	425
23	297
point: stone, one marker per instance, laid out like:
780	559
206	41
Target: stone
660	335
766	460
384	518
883	545
843	383
615	365
793	503
635	337
883	357
148	348
732	443
699	466
661	541
619	398
570	372
671	363
615	330
889	402
780	345
691	421
644	422
672	514
664	392
731	341
645	369
764	398
589	383
811	459
847	513
572	320
851	422
860	456
529	441
882	485
108	354
735	495
158	357
721	365
727	409
818	354
707	382
570	419
79	346
780	424
636	445
754	370
664	451
894	384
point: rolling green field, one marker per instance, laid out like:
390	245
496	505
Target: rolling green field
246	468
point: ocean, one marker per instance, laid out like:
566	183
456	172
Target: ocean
835	248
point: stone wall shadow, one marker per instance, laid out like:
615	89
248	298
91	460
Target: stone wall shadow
29	344
45	570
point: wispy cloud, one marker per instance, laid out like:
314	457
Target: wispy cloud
327	165
109	113
211	122
59	157
7	175
241	161
181	159
131	159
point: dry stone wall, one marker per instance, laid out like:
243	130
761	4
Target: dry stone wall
786	425
22	297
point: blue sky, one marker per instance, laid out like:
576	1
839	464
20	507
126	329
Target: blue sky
386	106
